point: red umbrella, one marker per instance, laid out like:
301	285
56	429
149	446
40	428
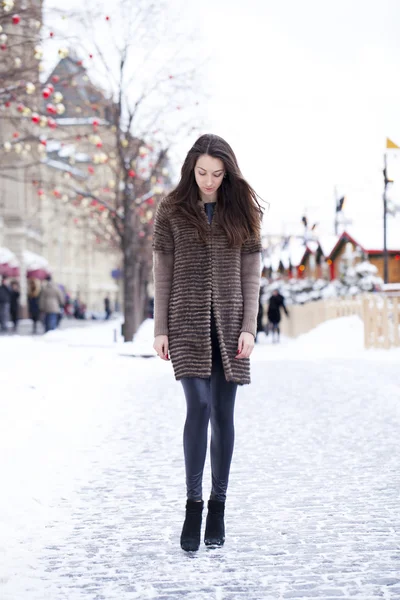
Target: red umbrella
37	274
5	269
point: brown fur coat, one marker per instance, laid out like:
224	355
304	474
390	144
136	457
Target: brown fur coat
201	274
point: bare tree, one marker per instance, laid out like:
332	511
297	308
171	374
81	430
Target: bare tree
116	104
153	104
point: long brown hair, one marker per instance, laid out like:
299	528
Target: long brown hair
239	210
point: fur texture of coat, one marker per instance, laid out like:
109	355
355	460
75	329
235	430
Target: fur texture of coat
203	274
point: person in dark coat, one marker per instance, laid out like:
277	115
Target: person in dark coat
5	299
14	304
107	307
276	302
34	288
260	315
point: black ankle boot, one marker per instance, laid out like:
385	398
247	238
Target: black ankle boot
215	526
190	536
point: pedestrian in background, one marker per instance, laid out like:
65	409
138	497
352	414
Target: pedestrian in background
50	301
5	300
14	304
207	267
276	303
34	289
107	307
260	315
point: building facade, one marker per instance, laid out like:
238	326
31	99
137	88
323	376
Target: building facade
46	227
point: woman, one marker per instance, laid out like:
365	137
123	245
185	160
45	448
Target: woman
206	252
34	289
14	304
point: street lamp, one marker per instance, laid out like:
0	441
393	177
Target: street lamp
387	180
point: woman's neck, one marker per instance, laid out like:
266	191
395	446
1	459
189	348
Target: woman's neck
207	199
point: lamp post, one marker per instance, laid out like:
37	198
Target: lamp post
339	218
387	180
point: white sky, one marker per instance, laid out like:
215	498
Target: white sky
306	92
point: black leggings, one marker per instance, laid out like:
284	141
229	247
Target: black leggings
211	399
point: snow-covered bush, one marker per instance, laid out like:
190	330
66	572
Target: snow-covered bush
353	281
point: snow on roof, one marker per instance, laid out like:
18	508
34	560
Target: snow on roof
8	258
296	251
267	262
34	261
285	258
82	157
80	121
66	151
312	246
275	258
57	164
53	145
327	243
372	238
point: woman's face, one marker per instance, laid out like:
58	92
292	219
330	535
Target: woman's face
209	173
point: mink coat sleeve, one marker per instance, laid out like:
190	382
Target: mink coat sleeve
251	275
251	279
163	267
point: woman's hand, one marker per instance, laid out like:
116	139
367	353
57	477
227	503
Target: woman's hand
245	345
161	346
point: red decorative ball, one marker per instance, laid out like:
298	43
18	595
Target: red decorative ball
99	144
16	19
15	134
7	104
131	173
46	93
91	170
51	34
35	118
40	192
55	78
107	18
43	142
95	123
3	47
51	109
51	123
20	108
50	87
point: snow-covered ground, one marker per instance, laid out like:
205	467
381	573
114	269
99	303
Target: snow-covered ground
92	482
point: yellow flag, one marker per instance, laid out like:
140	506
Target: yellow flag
390	144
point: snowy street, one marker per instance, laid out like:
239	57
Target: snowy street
92	472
